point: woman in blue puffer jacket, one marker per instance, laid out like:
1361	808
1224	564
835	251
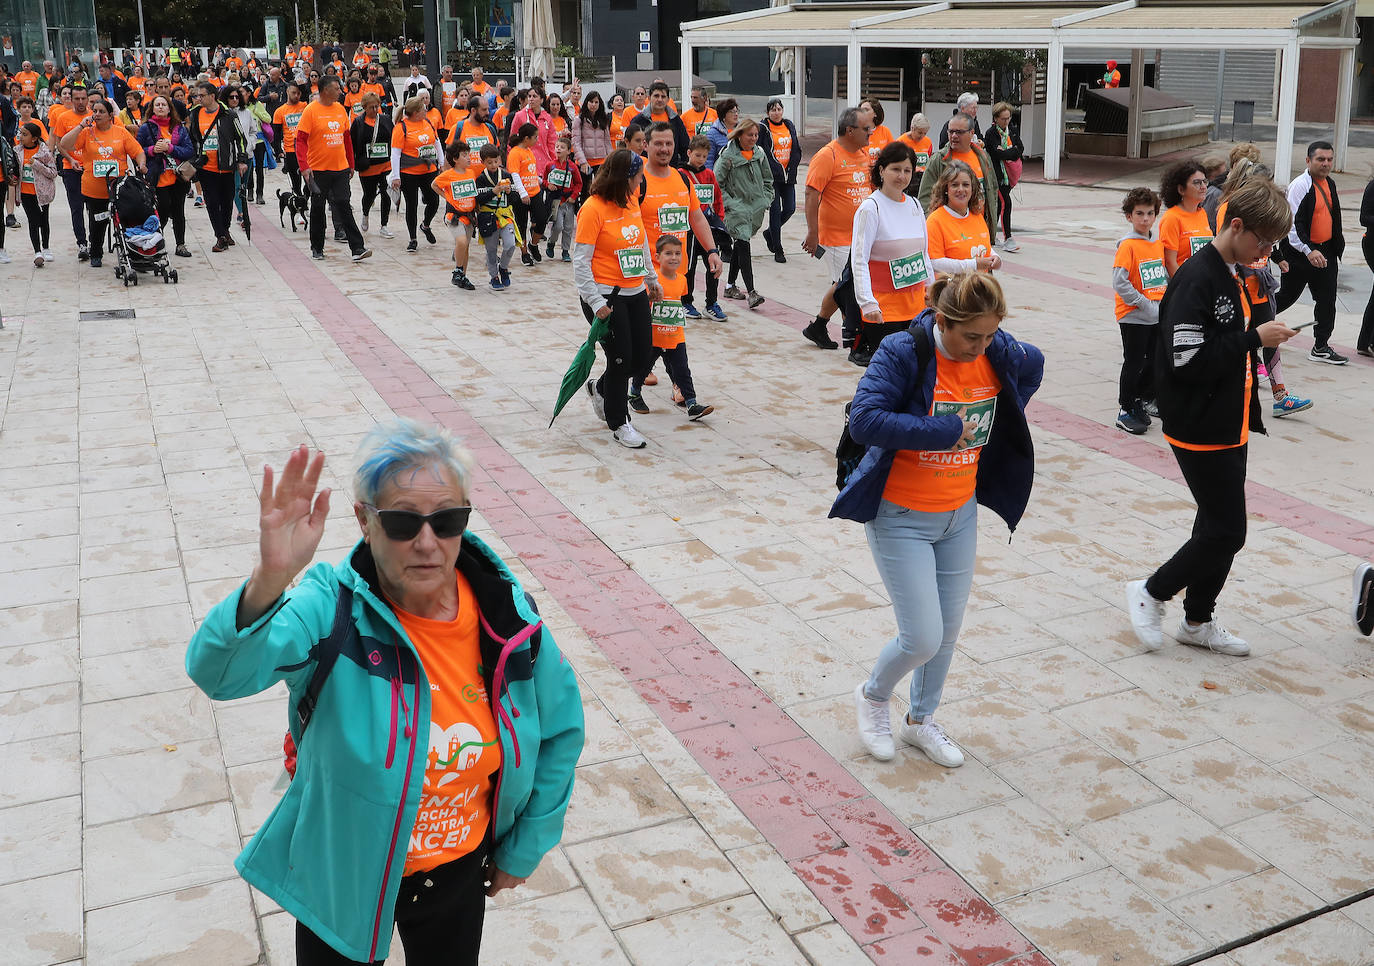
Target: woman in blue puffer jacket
941	410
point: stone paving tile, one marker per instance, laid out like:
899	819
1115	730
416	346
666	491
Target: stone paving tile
151	854
147	721
39	712
42	924
1268	726
1241	906
39	665
1137	726
1078	783
618	796
1332	938
961	918
206	924
831	945
1327	772
734	930
787	899
563	927
866	907
1222	783
40	839
1322	848
119	787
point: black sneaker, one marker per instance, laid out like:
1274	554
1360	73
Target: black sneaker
96	262
1131	423
317	254
1324	353
638	405
83	253
534	253
818	334
1142	414
340	236
505	278
1363	611
548	249
779	257
526	260
461	280
768	240
1367	352
11	221
860	357
696	411
413	246
428	233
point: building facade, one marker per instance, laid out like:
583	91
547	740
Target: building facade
38	30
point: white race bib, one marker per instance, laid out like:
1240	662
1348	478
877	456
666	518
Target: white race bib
476	144
463	190
706	194
1197	243
668	312
211	141
560	177
429	153
27	176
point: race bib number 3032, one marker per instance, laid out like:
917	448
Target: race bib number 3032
909	270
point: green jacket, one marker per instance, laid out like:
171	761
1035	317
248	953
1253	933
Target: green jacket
747	187
990	199
333	850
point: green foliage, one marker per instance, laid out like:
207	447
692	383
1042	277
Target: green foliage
203	22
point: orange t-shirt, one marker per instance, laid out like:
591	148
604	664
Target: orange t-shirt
234	63
499	118
559	125
463	758
455	117
207	124
782	143
879	139
949	236
617	237
1244	401
699	122
944	480
457	188
325	129
62	126
630	113
106	153
1184	233
922	149
28	82
841	177
26	186
1261	264
1321	212
287	117
617	130
419	140
1144	262
668	315
476	135
137	83
353	103
43	129
666	208
969	158
521	163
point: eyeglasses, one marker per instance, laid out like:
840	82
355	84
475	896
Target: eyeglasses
402	525
954	132
1198	183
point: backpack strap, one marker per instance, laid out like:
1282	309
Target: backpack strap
328	655
925	351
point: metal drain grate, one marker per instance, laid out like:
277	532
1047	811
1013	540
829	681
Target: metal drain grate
104	315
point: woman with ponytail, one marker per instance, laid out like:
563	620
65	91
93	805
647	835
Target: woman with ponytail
941	410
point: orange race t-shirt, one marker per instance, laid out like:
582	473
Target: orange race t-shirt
287	117
668	315
463	757
137	83
325	129
1144	262
457	188
969	158
455	117
782	143
28	82
63	125
1320	230
353	103
617	237
521	163
26	185
42	128
1244	399
922	149
666	208
476	135
378	152
949	236
944	480
630	113
879	139
106	154
559	125
419	144
698	122
1184	233
841	176
209	139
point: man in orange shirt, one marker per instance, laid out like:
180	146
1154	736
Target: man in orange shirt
699	119
72	165
28	79
837	181
324	152
1313	249
640	102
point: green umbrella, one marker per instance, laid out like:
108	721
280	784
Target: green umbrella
581	367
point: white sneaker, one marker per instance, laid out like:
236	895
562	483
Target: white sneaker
931	738
598	401
386	232
1147	615
4	257
363	226
47	255
1010	245
875	726
629	437
1212	636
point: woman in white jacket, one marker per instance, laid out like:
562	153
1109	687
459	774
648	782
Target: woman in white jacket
888	253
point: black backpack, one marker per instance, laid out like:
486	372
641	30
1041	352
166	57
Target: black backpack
848	453
325	660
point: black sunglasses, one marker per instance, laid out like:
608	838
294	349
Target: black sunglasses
405	525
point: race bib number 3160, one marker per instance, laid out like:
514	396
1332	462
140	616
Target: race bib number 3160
1152	274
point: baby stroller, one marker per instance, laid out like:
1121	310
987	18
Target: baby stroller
136	230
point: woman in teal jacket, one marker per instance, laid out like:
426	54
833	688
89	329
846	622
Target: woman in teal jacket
746	183
443	723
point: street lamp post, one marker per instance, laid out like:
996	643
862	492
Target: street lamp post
317	22
142	37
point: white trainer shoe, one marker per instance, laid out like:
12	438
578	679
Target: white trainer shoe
598	401
1212	636
47	255
875	726
1147	615
363	226
931	739
386	232
629	437
4	257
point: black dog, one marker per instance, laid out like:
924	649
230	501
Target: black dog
294	203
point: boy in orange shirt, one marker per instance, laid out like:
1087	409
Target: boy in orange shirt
1139	280
669	318
457	186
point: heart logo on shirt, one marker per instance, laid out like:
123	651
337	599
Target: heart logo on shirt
455	749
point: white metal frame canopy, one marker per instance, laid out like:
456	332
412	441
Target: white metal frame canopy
1287	26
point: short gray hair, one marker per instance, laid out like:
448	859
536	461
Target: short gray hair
965	99
390	448
849	118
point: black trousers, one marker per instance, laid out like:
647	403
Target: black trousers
374	187
629	351
1004	209
742	263
698	257
97	206
71	180
1302	274
171	205
292	168
1366	339
439	914
36	216
1217	481
413	186
218	188
531	217
871	334
679	370
1137	383
330	188
259	158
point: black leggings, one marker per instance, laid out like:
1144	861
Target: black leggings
1366	337
440	923
413	185
36	216
1217	481
1004	208
374	186
171	205
741	263
531	217
96	228
259	157
218	188
712	282
629	351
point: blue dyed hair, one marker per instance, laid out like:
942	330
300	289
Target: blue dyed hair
393	447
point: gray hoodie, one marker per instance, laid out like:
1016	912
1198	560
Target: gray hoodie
1144	311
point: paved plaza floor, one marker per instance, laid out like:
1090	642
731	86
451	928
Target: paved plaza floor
1117	806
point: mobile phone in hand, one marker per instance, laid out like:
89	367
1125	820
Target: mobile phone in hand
820	252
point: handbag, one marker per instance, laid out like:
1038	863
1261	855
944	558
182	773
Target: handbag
187	170
1013	172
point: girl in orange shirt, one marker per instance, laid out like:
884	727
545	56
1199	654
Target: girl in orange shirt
1184	228
956	231
561	120
531	213
37	187
882	134
414	162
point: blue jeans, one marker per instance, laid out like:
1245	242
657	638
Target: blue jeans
926	562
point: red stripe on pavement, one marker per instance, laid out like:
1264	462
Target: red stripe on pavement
846	853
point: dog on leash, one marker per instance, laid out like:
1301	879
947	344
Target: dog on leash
295	204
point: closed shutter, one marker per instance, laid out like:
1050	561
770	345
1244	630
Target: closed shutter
1192	75
1100	56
